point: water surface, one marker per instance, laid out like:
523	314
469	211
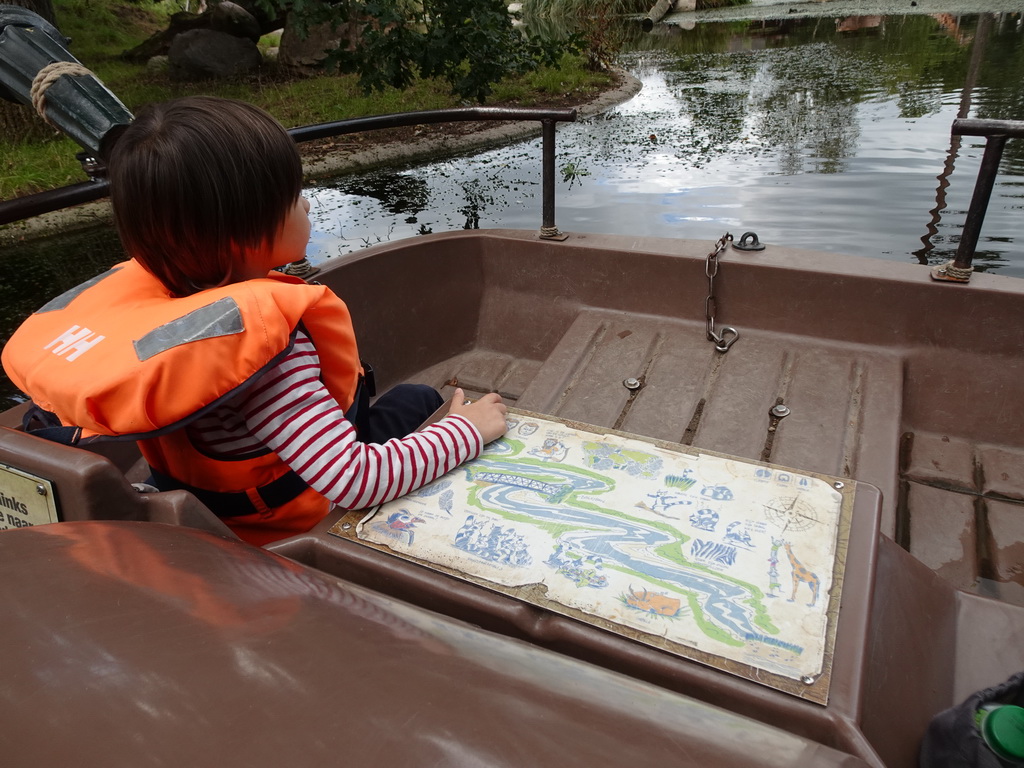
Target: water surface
825	133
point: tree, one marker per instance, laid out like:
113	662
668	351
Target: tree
18	119
470	43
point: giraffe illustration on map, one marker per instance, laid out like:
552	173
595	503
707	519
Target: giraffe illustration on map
802	574
773	568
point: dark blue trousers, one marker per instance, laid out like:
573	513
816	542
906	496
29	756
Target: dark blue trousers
399	411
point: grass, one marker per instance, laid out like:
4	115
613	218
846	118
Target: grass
571	78
577	8
102	29
557	9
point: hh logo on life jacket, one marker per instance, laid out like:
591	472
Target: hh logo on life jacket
75	340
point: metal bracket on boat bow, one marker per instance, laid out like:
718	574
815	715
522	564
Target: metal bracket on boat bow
729	335
748	242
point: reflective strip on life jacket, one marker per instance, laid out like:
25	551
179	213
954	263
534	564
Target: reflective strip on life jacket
221	318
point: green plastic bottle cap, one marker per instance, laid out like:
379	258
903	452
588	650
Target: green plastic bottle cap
1003	731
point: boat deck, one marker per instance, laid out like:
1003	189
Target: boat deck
889	378
955	503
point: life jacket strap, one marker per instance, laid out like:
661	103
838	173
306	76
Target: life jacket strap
358	414
224	504
42	423
227	504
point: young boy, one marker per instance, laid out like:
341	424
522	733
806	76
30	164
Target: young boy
241	384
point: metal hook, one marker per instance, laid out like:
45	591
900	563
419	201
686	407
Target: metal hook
722	343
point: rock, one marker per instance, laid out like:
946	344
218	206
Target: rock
181	22
309	53
158	65
233	19
206	53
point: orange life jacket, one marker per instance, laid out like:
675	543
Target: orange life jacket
119	357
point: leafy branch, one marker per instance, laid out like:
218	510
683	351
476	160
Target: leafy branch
472	44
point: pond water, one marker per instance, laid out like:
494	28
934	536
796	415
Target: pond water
826	133
829	132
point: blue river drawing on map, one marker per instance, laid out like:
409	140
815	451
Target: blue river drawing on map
612	538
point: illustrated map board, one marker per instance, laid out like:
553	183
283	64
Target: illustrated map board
728	562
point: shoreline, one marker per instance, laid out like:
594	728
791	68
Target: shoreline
444	145
318	164
797	9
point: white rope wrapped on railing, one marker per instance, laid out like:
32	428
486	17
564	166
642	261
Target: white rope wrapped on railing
49	75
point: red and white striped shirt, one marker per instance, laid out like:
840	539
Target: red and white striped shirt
291	412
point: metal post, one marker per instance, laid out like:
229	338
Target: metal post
548	228
979	203
996	132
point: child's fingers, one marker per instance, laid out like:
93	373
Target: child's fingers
459	400
487	413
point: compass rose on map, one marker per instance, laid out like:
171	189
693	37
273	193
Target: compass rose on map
791	514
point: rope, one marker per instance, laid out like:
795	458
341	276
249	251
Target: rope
300	268
46	77
962	274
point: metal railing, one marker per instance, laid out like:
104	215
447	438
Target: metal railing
996	133
45	202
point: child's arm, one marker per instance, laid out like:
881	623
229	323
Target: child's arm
291	412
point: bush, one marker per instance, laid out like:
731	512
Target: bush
471	44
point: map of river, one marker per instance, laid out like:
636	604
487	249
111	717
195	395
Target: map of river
717	554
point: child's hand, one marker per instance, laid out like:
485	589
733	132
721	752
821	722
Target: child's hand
487	414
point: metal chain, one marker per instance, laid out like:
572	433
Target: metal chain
729	334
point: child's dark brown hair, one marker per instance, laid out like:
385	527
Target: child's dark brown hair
196	183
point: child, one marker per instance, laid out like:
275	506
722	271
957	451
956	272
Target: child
241	384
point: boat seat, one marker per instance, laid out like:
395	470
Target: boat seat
91	486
